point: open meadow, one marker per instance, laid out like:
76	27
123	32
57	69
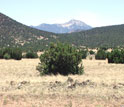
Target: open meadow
102	85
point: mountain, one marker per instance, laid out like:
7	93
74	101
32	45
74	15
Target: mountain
71	26
13	33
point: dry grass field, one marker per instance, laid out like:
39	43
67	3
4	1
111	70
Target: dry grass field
102	85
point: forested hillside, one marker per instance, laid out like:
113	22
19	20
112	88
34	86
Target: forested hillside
15	34
110	36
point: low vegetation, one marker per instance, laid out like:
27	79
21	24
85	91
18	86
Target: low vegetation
11	53
60	59
31	54
6	56
91	52
102	85
116	56
101	54
84	53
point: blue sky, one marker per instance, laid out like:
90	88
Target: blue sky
92	12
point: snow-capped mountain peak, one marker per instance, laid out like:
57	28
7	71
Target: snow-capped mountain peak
73	22
70	26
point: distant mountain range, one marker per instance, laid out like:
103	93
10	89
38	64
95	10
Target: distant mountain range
68	27
15	34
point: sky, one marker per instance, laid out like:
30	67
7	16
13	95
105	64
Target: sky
93	12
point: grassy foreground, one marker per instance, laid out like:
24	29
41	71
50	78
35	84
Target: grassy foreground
102	85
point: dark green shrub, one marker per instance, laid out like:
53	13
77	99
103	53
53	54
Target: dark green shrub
31	54
104	48
7	50
60	59
101	55
1	53
7	56
84	53
116	56
91	52
16	53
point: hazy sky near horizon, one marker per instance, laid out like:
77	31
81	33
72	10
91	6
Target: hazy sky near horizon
93	12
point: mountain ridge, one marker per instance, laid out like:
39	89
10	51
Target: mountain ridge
67	27
15	34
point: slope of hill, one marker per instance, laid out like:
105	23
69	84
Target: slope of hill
13	33
71	26
111	36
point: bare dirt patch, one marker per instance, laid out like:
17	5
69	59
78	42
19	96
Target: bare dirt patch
21	85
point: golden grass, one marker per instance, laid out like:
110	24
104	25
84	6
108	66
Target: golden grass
22	86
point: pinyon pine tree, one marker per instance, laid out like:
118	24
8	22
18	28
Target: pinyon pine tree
60	59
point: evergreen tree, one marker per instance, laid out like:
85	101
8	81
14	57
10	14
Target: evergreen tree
60	59
101	54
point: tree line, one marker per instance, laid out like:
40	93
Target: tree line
16	53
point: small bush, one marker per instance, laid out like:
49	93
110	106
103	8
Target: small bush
116	56
7	56
104	48
60	59
14	53
101	55
91	52
1	53
84	53
31	54
7	50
